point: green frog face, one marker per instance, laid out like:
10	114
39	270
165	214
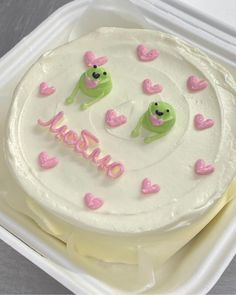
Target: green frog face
95	82
158	120
161	110
160	117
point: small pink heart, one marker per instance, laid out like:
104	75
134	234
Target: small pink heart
146	55
156	121
46	90
90	83
148	187
201	123
92	202
195	84
202	169
113	120
90	59
149	88
45	162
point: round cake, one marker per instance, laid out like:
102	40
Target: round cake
122	136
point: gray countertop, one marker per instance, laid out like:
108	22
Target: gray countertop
18	275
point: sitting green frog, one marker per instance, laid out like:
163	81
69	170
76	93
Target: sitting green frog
95	83
158	119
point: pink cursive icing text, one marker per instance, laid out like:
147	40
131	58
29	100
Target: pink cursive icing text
81	144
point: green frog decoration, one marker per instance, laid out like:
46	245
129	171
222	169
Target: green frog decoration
95	83
158	119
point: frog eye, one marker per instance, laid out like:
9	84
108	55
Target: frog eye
156	104
94	66
104	73
167	111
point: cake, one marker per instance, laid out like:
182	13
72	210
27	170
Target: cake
123	140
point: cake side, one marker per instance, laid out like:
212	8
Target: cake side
126	249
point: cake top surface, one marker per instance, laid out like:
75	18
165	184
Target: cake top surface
155	116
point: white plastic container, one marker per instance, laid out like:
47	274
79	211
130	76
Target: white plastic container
204	259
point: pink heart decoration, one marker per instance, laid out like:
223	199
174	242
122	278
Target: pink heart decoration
156	121
201	123
113	120
90	59
149	88
45	162
92	202
146	55
148	187
202	168
90	83
195	84
46	90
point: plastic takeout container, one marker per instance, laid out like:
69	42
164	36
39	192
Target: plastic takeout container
201	262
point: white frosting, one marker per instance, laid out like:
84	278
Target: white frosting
168	161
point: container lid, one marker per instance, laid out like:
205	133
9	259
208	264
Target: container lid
205	25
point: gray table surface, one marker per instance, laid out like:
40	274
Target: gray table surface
18	275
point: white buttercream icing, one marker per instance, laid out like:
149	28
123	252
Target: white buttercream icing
168	161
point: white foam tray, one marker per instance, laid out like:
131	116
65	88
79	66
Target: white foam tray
200	264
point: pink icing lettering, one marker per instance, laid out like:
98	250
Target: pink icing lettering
94	155
60	132
115	170
81	145
80	148
88	138
71	138
102	163
84	141
53	121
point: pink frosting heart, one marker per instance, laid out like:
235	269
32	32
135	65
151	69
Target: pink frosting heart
90	83
148	187
156	121
149	88
92	202
146	55
202	168
46	90
90	59
113	120
195	84
201	123
46	162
